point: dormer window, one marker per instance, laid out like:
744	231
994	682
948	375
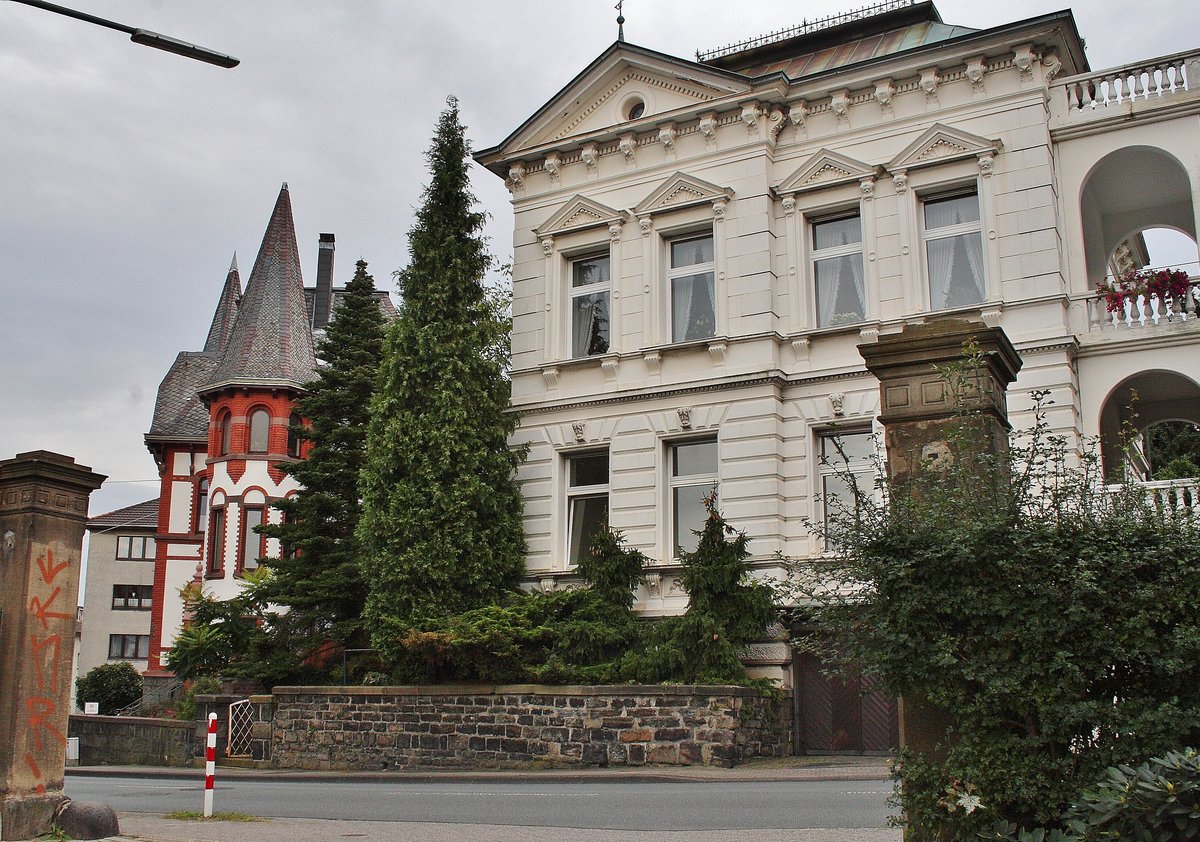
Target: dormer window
260	428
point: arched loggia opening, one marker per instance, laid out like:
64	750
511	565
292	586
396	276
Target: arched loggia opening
1136	404
1129	191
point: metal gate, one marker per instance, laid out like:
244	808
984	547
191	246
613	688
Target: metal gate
241	727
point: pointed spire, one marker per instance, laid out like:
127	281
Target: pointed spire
271	343
226	313
620	20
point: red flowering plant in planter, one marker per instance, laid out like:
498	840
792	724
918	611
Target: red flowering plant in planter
1147	282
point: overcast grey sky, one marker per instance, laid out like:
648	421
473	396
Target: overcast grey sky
128	176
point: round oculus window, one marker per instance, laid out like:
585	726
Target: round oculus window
635	110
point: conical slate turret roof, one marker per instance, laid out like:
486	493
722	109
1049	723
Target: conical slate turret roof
226	314
271	343
178	411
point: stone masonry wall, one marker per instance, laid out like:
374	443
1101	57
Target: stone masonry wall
133	740
368	728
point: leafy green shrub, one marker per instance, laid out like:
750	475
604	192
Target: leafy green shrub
1052	623
1158	801
113	685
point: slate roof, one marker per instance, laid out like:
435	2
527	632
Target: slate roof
226	313
271	341
178	412
140	515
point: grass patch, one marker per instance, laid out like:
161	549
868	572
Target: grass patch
217	816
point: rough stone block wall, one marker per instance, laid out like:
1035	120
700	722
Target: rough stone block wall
133	740
368	728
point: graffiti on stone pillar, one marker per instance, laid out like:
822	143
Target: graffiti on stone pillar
48	607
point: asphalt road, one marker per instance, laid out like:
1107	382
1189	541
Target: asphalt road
603	805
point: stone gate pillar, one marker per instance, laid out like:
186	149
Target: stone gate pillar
43	508
919	412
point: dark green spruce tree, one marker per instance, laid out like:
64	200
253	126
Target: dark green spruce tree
441	524
318	578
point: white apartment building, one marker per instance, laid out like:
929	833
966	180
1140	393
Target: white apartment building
701	245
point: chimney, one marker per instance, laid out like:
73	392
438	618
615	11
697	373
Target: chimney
323	300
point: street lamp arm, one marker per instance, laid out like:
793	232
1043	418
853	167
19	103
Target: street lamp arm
141	36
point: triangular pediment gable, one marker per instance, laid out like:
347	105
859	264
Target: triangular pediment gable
940	144
826	169
682	191
578	214
593	101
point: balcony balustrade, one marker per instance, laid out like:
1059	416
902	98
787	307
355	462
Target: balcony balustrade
1120	92
1179	495
1145	311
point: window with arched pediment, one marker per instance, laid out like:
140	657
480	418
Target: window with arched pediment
260	430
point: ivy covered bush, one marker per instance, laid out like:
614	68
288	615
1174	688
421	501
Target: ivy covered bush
1052	623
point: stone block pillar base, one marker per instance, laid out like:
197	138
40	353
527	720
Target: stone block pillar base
43	509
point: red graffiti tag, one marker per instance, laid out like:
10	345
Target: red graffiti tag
39	661
49	568
37	773
41	610
39	708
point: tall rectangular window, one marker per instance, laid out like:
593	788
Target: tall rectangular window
587	501
128	647
135	548
693	477
253	544
693	292
846	457
202	505
591	285
954	251
215	563
837	266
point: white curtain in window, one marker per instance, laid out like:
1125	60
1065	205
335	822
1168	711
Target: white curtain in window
693	307
955	271
831	274
682	293
941	258
582	311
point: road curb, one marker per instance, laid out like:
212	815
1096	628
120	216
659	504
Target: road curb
594	776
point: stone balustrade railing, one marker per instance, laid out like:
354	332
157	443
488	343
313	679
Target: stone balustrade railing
1180	495
1145	310
1116	91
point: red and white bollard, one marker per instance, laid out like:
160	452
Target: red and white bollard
210	765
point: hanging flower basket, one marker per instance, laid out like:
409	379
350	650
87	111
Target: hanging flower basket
1147	282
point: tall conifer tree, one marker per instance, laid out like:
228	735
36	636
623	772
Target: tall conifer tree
441	521
319	579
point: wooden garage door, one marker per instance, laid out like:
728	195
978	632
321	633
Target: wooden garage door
834	716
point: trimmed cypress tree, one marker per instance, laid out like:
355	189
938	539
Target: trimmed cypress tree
441	524
318	580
